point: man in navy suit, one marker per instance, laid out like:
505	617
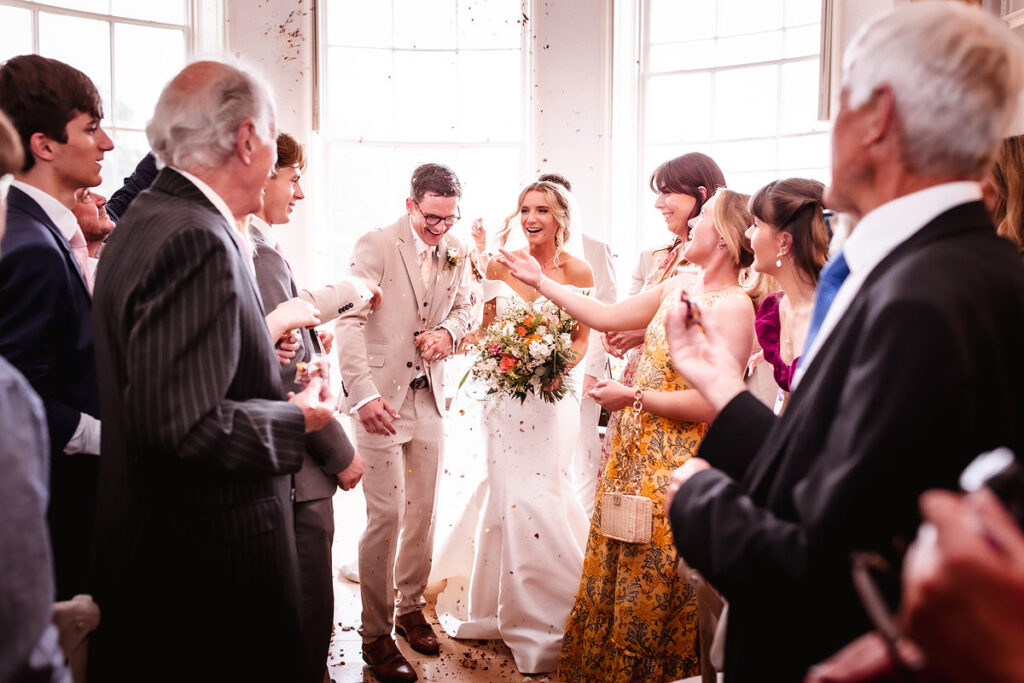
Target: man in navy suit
45	299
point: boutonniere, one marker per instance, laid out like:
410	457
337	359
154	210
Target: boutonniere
452	258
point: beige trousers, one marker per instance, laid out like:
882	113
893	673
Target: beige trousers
400	484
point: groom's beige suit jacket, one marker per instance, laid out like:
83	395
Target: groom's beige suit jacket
376	350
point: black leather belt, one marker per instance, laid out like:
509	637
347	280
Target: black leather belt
419	383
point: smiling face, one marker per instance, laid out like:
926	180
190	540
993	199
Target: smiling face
281	193
90	211
537	218
704	237
432	206
677	208
766	243
77	161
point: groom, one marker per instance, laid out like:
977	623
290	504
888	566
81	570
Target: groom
390	363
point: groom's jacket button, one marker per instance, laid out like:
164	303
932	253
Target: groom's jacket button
417	367
416	333
425	303
409	364
344	308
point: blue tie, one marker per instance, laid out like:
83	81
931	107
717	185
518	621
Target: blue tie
832	277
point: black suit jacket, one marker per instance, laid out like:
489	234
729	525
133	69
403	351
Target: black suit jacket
919	376
46	333
328	450
198	449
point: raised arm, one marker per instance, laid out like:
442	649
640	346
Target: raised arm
629	314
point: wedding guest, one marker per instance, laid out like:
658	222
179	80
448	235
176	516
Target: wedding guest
1005	191
909	369
198	445
790	244
634	618
46	328
330	460
90	212
30	651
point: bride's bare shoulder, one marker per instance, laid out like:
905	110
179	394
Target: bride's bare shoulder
496	271
577	271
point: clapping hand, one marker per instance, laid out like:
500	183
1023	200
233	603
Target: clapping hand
611	395
618	343
479	234
522	266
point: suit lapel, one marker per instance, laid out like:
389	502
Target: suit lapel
412	265
19	200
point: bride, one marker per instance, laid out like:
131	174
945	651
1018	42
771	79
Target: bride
529	540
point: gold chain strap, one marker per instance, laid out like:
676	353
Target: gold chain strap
637	428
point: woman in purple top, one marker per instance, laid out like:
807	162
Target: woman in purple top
790	242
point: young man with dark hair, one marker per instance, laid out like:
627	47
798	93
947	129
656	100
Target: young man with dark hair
45	298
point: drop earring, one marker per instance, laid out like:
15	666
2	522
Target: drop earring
778	260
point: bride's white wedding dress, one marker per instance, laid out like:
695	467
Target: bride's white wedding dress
530	528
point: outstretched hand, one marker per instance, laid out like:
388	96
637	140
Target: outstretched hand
522	266
699	355
291	314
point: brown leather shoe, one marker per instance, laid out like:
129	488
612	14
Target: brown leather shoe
387	662
415	629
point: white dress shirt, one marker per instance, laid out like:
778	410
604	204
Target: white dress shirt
876	235
86	438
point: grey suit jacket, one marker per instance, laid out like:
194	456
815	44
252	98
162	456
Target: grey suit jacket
328	451
198	452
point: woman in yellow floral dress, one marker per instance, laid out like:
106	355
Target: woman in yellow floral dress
634	618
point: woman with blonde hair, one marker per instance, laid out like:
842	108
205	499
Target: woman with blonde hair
634	618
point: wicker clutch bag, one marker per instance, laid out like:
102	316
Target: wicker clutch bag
625	516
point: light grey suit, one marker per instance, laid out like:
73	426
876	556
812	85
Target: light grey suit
377	355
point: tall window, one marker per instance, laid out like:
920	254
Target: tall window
411	81
129	48
735	79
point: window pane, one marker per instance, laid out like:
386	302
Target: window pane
139	81
749	49
425	24
129	148
674	20
804	151
425	84
749	183
15	32
490	96
800	104
490	185
748	16
167	11
748	155
490	24
803	41
82	43
99	6
357	23
694	54
746	102
360	99
803	12
677	108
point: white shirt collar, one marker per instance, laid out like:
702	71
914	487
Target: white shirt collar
58	213
244	244
418	242
877	234
886	227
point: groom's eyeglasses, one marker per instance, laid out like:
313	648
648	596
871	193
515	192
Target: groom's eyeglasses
433	220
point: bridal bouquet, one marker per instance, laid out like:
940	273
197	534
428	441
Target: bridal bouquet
527	350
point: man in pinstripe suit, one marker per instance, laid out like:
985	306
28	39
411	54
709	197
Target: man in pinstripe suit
195	552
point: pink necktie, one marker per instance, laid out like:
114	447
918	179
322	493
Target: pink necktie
80	250
425	266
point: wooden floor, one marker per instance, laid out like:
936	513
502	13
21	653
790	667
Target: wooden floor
460	660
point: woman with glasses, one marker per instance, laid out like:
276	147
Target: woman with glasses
528	548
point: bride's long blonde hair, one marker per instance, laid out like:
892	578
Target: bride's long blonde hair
556	199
